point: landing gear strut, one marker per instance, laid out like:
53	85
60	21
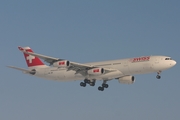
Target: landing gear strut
104	85
158	75
92	83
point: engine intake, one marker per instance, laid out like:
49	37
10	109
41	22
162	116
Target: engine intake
96	71
64	63
127	80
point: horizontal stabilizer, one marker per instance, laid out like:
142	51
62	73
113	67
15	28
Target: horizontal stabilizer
22	69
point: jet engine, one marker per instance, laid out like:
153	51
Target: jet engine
127	80
32	72
96	71
64	63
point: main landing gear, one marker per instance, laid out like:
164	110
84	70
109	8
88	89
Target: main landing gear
86	81
82	84
104	85
92	83
158	75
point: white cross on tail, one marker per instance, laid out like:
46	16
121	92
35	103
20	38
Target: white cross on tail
30	58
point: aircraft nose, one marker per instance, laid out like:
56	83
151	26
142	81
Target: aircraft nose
173	62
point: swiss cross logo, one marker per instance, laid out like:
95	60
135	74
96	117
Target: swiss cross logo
30	58
96	70
62	63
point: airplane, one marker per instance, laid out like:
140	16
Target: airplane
63	70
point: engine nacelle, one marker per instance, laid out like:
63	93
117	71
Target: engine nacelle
33	72
127	80
63	63
96	71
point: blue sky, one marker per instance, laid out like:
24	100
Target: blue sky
87	31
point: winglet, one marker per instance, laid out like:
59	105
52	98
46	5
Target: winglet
20	48
24	49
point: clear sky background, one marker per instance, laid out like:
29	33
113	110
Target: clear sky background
88	31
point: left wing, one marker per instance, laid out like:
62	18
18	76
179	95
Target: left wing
78	67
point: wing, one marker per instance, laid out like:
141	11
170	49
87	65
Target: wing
78	67
22	69
47	59
83	68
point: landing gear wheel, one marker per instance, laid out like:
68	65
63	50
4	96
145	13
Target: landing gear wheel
101	88
158	77
105	85
83	84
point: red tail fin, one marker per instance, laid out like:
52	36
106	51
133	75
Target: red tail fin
31	61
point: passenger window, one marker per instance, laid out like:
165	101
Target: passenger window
168	58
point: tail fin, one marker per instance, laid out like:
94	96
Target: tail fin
32	61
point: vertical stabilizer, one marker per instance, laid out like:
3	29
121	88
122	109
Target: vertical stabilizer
32	61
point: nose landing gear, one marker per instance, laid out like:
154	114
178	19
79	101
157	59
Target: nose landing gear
158	75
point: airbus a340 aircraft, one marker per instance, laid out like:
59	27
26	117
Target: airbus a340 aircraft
122	70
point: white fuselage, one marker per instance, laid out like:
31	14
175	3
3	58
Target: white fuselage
131	66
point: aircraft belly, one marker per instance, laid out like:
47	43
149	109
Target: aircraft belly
69	76
52	74
107	76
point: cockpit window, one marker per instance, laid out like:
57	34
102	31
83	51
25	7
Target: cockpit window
168	58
